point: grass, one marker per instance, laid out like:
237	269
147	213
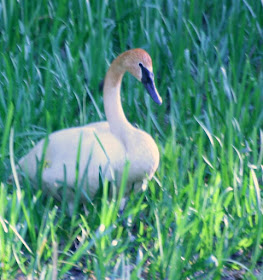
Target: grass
201	216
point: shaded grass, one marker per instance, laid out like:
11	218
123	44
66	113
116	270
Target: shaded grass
201	217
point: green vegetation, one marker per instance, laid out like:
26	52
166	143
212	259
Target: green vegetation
201	216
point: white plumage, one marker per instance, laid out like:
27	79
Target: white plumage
104	146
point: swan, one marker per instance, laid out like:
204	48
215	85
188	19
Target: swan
100	147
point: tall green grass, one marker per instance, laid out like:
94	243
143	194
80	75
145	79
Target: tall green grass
201	216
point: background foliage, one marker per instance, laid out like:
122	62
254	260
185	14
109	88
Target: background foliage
201	217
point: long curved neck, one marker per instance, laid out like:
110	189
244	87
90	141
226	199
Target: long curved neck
112	101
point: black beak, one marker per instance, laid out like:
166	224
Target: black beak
148	82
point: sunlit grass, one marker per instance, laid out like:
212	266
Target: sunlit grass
201	216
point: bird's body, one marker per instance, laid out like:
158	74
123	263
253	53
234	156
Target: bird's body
100	148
